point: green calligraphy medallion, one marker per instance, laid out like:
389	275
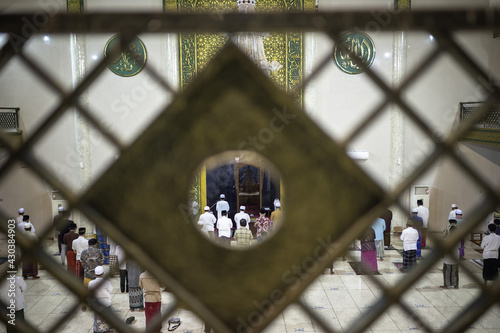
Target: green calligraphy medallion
130	61
361	45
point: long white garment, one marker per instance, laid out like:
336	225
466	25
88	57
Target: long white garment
222	205
207	221
224	225
239	216
423	212
102	289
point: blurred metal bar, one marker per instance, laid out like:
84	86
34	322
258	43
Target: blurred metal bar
154	22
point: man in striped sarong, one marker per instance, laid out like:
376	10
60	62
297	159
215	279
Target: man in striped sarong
409	236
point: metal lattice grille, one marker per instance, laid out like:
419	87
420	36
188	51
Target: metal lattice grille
440	24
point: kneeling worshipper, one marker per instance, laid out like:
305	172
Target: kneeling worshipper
102	293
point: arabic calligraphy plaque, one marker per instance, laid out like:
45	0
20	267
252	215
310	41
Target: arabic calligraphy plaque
131	59
361	45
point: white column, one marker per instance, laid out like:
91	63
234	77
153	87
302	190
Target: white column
82	128
397	153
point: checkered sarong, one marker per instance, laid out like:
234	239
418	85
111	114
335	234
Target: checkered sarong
409	259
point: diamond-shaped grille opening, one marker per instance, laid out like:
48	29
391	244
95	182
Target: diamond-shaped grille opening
242	184
476	302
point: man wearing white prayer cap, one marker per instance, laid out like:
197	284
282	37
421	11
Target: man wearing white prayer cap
19	217
276	214
453	214
222	204
207	222
241	215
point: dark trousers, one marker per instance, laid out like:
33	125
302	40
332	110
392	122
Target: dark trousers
123	280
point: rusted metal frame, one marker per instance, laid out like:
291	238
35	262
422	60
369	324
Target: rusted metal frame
135	252
464	19
417	72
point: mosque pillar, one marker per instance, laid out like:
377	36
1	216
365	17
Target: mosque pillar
78	47
397	149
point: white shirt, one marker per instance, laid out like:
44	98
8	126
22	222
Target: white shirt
423	212
490	244
239	216
17	296
21	225
102	290
122	261
208	221
409	236
224	225
19	219
80	244
222	205
452	215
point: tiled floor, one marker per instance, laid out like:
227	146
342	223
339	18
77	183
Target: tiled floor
339	299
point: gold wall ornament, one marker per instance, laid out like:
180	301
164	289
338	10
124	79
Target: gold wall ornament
129	61
144	193
361	45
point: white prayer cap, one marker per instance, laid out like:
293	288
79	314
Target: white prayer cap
99	270
242	207
27	226
20	210
60	208
278	204
454	206
414	210
458	212
222	196
206	208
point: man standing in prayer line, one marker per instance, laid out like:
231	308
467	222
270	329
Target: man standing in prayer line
418	224
79	245
16	296
70	254
491	245
135	294
387	232
276	215
63	228
20	215
262	224
409	236
207	222
379	227
90	259
102	293
450	266
152	298
30	264
57	218
241	215
368	252
452	215
243	236
460	220
222	205
224	225
423	212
